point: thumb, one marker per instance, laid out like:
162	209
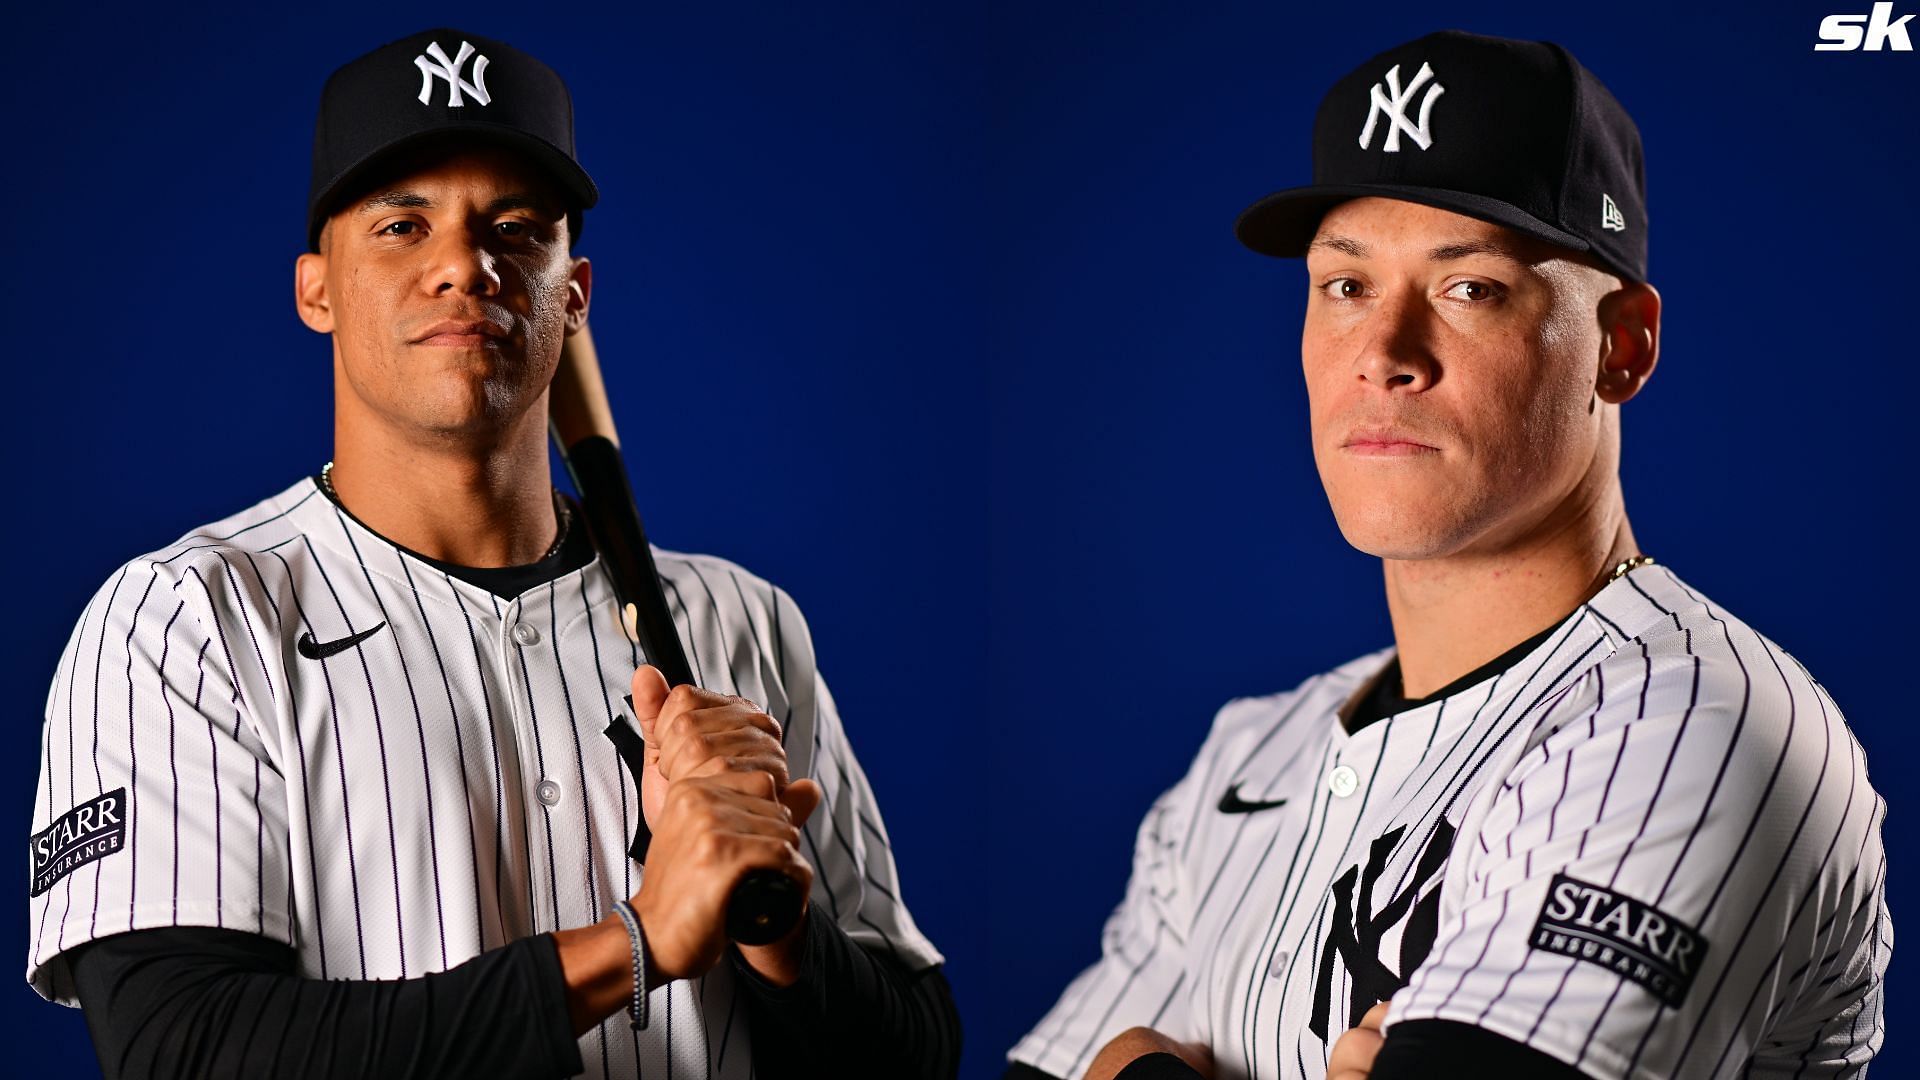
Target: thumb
649	695
802	797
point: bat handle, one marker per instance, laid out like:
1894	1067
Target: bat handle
764	908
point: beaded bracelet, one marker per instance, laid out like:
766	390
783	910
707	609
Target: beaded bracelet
637	1012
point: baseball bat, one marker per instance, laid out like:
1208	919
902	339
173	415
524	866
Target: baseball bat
766	904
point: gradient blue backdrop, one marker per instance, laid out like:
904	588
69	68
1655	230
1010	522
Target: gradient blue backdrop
788	265
935	318
1160	538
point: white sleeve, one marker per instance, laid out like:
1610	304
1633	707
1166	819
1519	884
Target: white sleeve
1678	877
158	804
1142	971
767	656
852	856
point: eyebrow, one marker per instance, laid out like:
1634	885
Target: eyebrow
1458	249
410	200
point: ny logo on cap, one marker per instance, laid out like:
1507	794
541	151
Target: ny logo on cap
441	67
1392	103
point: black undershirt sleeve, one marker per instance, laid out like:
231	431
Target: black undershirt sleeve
188	1001
1415	1050
853	1013
191	1001
1448	1049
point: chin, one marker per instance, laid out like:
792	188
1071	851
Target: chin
1405	529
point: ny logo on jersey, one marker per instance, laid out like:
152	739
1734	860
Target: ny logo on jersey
1391	103
633	754
1355	935
433	64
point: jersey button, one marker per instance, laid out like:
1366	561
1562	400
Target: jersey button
1278	967
1343	780
549	792
525	634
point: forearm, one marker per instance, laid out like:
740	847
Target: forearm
850	1012
190	1001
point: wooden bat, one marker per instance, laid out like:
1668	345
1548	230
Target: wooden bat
766	904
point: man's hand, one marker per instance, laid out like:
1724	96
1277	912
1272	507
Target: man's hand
693	732
1138	1043
711	831
1355	1049
726	751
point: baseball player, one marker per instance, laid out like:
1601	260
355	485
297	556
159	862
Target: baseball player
325	789
1580	819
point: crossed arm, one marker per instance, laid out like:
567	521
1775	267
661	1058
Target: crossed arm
1417	1050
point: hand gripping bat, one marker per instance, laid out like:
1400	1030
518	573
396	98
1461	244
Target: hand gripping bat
766	904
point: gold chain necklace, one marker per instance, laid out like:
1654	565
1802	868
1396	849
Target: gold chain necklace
560	509
1629	564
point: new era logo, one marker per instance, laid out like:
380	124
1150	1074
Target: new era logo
1391	102
1610	214
1842	33
433	64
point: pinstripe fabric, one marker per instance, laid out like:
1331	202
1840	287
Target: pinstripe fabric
379	809
1654	744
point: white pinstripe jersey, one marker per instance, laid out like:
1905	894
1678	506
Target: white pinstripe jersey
437	790
1648	848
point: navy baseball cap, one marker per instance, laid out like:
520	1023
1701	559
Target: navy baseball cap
1517	133
431	85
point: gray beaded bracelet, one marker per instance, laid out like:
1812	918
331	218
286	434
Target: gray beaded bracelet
636	1012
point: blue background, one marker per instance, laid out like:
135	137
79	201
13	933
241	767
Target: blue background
936	318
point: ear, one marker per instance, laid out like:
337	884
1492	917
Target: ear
1630	341
310	293
579	292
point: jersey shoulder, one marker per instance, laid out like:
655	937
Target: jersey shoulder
1694	688
714	573
1676	648
205	555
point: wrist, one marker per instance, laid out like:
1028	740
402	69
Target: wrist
597	965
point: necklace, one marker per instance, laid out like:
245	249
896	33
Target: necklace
1629	564
560	509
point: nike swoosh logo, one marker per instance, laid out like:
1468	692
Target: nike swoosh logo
1232	803
320	650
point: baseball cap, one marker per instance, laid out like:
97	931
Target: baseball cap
1517	133
432	84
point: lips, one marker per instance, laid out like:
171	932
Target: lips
461	333
1387	442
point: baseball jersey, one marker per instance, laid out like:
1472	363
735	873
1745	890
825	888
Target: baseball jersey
284	724
1647	848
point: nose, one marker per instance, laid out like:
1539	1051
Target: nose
1393	351
462	263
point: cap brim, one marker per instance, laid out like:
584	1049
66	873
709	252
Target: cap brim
1283	223
575	185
